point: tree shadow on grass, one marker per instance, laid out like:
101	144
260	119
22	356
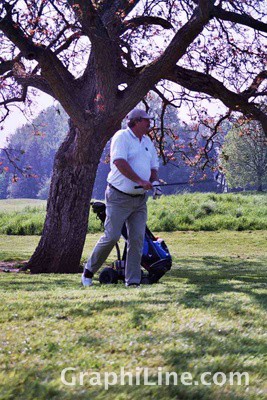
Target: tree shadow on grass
215	275
212	353
26	282
31	384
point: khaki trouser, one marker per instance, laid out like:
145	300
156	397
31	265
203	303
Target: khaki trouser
122	208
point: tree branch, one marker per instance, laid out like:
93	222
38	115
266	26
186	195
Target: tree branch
6	66
242	19
145	20
14	99
149	75
163	98
55	73
68	42
200	82
17	36
112	12
205	7
91	22
37	82
251	91
124	6
31	51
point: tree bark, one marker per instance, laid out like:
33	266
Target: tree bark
61	245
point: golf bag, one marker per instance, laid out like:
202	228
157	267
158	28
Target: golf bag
156	259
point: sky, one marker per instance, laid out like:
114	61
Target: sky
17	118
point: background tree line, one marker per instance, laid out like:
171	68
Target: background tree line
32	149
243	157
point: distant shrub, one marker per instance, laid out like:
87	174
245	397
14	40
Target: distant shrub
187	219
239	213
206	225
209	208
213	197
168	224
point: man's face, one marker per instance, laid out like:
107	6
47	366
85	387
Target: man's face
144	124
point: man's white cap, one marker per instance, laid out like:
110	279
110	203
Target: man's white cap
138	113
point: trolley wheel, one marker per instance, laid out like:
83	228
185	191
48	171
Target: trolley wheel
108	276
145	280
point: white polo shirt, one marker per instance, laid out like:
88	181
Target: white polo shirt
140	155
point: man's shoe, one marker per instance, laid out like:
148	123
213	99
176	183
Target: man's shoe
86	281
132	285
87	278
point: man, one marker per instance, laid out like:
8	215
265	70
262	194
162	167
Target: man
133	162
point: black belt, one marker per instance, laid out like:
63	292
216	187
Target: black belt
127	194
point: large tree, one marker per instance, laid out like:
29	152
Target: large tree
99	58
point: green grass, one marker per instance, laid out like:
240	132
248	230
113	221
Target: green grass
12	205
208	314
209	212
21	247
26	217
181	244
184	212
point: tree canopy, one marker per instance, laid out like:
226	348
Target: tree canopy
91	51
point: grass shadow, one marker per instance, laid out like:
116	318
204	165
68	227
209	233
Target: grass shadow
215	275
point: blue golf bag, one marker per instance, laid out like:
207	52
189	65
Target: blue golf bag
156	259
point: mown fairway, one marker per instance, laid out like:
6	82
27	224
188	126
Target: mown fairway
207	315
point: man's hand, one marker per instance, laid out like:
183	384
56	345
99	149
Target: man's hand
124	167
157	192
145	184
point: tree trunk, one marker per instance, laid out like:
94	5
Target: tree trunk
64	233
